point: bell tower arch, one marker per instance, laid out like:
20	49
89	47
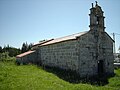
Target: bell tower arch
96	18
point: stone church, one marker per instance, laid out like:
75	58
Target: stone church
88	53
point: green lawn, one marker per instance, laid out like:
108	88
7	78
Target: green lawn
31	77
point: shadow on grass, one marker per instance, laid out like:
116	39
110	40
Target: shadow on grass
74	77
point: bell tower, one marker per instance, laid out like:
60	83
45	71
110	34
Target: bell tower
96	18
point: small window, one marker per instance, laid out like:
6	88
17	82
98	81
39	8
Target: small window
97	20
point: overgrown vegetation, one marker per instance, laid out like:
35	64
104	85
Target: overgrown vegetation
12	51
32	77
5	57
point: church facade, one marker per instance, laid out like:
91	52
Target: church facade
88	53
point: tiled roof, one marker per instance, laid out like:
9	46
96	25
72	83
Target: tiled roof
70	37
24	54
52	41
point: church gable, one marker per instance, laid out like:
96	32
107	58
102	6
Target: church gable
108	37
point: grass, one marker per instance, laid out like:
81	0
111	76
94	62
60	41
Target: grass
31	77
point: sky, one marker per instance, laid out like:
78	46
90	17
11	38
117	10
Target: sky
34	20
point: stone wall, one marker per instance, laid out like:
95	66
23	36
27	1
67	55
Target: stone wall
108	53
30	58
82	54
87	51
63	55
90	52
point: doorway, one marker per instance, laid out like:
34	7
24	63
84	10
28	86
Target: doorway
100	67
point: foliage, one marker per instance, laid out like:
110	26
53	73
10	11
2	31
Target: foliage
0	49
31	77
115	82
5	57
11	50
26	47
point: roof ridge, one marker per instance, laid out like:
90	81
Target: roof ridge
65	38
71	35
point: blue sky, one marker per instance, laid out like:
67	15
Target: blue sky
35	20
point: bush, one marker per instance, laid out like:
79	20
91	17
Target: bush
5	57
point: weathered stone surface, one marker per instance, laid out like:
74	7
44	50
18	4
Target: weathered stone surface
29	58
63	55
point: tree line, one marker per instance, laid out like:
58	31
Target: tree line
12	51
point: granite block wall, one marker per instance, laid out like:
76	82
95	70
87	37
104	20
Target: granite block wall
64	55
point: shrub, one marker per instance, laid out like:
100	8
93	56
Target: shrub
5	57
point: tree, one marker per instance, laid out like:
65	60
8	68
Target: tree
30	46
24	48
0	49
11	50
